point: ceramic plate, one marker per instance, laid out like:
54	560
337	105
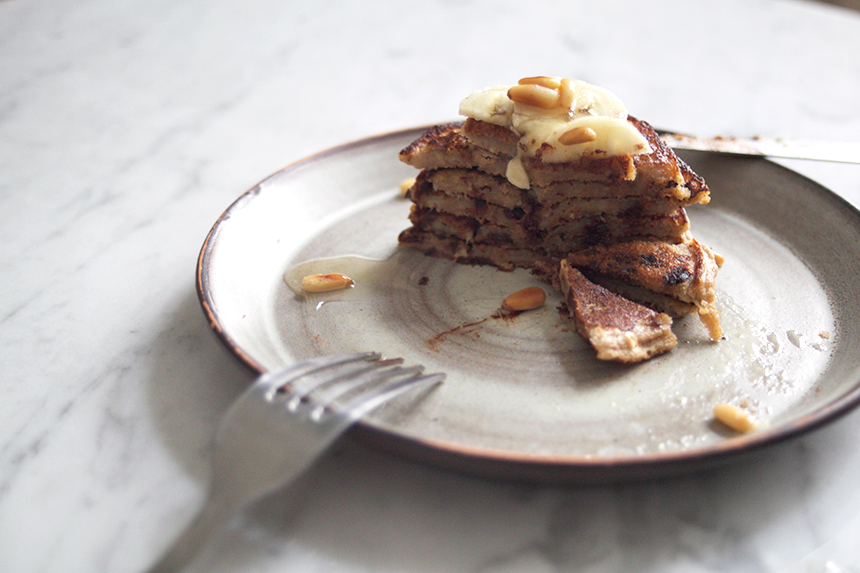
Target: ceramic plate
524	397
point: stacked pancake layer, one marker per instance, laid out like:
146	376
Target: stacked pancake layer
465	209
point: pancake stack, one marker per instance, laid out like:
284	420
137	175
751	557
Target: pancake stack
554	170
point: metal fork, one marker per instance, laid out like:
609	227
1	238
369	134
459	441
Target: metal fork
280	426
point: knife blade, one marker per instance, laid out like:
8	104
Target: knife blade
840	151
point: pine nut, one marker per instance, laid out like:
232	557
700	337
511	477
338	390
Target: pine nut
526	299
577	135
565	93
534	95
544	81
325	283
734	417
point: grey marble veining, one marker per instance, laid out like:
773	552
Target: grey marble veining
126	128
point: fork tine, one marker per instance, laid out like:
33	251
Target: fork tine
364	403
280	378
377	375
355	371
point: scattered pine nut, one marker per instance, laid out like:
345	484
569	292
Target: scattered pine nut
734	417
325	283
526	299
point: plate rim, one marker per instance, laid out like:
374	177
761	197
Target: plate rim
526	466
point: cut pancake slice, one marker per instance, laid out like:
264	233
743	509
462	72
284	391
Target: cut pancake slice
683	272
618	329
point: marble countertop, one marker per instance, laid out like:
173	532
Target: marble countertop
127	127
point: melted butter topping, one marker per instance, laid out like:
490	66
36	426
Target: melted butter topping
542	127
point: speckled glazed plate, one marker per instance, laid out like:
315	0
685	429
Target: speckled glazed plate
524	397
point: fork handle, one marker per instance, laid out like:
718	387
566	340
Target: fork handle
185	548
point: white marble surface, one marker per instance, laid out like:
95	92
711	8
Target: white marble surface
127	127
